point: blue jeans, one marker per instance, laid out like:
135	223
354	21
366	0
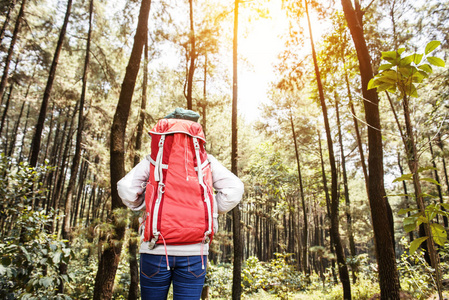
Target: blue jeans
185	272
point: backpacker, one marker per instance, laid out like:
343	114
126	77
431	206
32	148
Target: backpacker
178	196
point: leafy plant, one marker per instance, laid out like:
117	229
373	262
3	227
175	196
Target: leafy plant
430	213
403	73
30	254
30	261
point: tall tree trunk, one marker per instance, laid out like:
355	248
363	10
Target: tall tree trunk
441	146
437	178
133	293
79	135
380	213
328	203
404	186
413	164
204	102
8	58
11	6
107	266
192	58
305	247
343	269
22	147
238	242
36	143
5	111
356	128
15	130
347	201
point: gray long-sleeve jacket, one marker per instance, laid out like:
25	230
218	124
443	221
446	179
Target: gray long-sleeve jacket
229	190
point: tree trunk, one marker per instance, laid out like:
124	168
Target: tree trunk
11	6
192	59
36	143
437	178
16	129
343	269
5	111
107	266
413	164
441	146
79	136
347	201
404	186
133	293
238	242
382	223
328	201
305	247
357	131
8	58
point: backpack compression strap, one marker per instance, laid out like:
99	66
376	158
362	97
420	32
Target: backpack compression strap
158	176
206	194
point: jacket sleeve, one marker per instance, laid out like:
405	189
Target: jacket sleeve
228	186
131	188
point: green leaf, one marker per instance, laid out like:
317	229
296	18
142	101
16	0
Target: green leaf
410	227
426	68
445	205
428	168
419	76
406	61
439	234
436	61
431	46
422	219
371	84
57	258
385	67
412	91
45	281
403	211
385	86
416	243
389	55
409	224
427	195
417	58
431	180
406	71
403	177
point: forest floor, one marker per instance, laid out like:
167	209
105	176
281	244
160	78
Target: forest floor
320	296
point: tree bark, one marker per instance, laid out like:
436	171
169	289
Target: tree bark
192	59
7	18
8	58
328	204
305	247
382	223
79	136
347	200
404	186
107	266
36	143
437	179
133	293
238	242
343	269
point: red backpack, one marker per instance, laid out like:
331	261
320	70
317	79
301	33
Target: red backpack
178	196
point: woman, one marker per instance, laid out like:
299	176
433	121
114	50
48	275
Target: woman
162	263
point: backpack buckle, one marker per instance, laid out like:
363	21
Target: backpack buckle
152	243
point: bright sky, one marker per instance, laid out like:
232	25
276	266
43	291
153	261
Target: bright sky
260	47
